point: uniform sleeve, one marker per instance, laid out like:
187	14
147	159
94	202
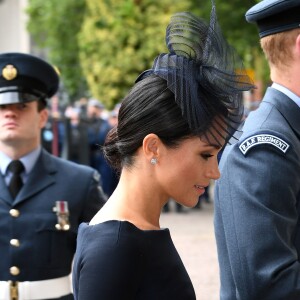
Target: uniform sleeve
95	197
109	272
255	223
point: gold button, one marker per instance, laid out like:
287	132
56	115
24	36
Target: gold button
14	270
15	242
14	213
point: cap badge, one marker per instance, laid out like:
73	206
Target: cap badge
9	72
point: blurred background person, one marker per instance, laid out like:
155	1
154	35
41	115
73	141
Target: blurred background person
74	137
97	130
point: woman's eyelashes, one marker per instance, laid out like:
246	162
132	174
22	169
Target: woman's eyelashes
206	156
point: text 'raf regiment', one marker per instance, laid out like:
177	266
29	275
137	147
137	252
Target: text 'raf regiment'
263	139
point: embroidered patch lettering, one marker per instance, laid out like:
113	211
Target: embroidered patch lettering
263	139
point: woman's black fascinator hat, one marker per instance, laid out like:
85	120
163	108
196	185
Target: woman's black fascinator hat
205	74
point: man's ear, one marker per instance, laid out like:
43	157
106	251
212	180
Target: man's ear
298	47
44	113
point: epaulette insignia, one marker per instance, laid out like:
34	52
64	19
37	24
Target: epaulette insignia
260	139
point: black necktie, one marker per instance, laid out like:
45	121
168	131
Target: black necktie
16	167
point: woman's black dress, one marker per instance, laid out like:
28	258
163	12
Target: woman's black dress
117	261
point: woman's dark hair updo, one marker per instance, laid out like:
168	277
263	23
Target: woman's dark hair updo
148	108
194	90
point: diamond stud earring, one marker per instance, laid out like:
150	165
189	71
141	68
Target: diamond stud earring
153	161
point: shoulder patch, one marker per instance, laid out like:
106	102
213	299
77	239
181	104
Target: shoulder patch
260	139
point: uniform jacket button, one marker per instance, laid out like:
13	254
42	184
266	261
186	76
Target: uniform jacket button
14	270
15	242
14	213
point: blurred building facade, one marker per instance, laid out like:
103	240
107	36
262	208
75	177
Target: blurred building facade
13	33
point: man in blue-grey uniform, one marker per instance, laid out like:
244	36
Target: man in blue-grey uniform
257	222
42	198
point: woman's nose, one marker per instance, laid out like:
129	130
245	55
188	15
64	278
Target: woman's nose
214	172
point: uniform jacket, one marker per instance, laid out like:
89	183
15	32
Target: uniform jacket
257	205
45	252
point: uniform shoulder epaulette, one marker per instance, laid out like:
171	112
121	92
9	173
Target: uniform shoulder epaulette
263	139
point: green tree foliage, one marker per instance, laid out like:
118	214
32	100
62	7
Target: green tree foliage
54	25
242	35
108	43
121	38
239	33
231	17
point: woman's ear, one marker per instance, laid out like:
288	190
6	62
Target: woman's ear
151	144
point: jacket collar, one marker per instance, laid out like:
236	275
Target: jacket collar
39	178
286	106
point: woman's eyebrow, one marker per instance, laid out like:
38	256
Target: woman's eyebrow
216	146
